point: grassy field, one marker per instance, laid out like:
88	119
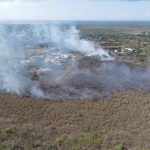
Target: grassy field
118	123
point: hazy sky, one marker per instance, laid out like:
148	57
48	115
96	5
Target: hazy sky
74	9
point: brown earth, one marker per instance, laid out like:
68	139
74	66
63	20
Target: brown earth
118	123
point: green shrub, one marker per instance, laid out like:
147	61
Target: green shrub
119	147
4	147
91	140
71	140
10	130
59	140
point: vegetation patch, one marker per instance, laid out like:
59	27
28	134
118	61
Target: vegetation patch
9	130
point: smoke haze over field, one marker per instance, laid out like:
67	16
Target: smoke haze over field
16	61
53	62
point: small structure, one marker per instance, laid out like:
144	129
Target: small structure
128	50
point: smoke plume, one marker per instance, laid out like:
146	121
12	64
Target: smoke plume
54	62
70	40
19	56
14	76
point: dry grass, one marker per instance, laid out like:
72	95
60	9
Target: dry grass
121	122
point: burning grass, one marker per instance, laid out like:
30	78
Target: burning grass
114	123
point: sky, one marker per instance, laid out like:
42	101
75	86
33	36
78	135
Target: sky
74	9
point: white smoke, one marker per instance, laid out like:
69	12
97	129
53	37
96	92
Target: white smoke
64	64
15	76
71	40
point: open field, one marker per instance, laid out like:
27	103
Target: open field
118	123
113	112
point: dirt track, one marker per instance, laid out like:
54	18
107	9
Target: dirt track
120	122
